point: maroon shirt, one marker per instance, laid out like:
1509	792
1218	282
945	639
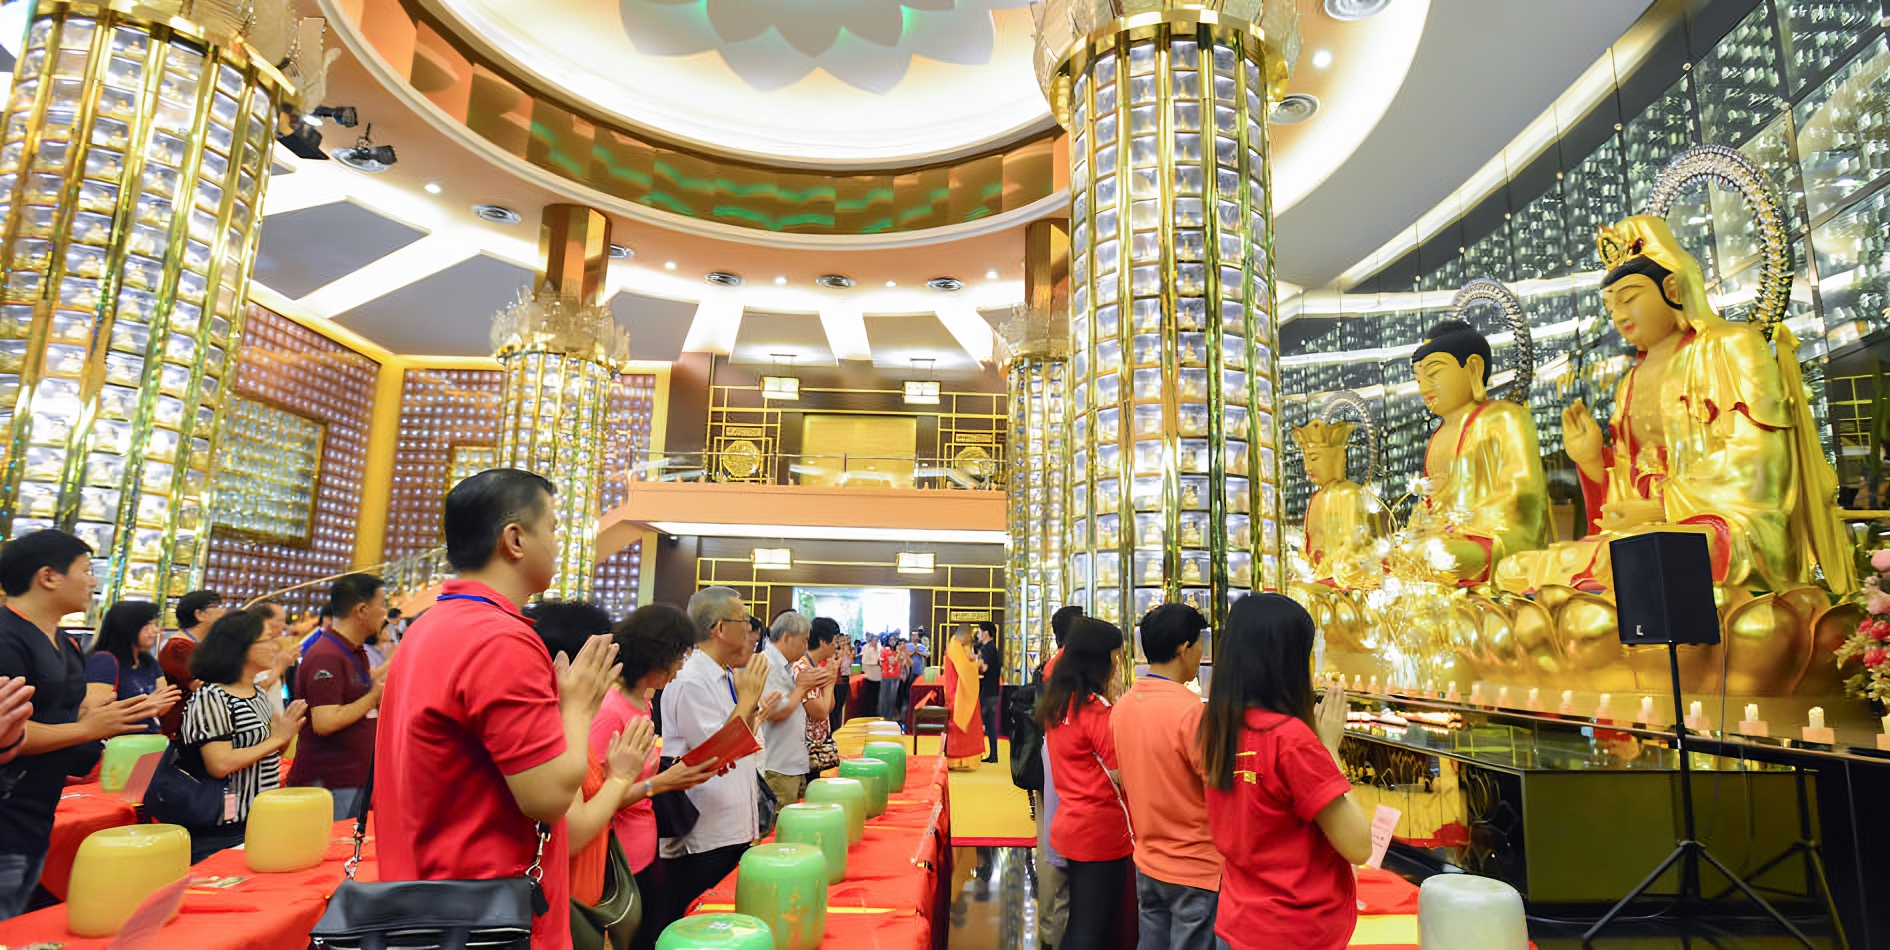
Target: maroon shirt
333	673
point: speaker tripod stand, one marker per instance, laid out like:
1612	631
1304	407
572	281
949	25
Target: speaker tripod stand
1689	852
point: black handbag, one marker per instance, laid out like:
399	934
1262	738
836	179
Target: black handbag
490	914
181	792
767	805
675	814
612	923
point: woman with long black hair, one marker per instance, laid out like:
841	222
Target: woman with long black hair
123	664
1278	802
1091	826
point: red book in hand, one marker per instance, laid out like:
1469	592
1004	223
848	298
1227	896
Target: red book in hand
731	742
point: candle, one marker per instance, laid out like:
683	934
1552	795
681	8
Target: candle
1605	708
1696	708
1816	715
1374	684
1535	697
1752	712
1502	695
1453	691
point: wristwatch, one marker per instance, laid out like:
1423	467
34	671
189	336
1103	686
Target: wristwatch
649	789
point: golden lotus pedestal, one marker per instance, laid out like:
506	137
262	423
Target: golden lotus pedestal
1563	642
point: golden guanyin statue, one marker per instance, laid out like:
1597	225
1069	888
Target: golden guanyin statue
1344	520
1485	498
1710	433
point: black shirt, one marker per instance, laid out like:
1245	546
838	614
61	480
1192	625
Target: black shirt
30	785
988	681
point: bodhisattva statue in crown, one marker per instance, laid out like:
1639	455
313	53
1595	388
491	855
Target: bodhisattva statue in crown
1344	520
1485	497
1710	433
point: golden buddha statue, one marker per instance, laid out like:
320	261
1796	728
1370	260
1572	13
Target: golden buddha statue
1485	497
1710	433
1344	520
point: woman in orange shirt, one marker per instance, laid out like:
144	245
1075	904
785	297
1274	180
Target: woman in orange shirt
1091	825
1278	803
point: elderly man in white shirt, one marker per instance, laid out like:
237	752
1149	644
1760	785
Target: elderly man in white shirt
722	681
869	664
784	762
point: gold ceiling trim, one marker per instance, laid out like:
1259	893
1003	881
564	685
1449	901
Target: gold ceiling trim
598	160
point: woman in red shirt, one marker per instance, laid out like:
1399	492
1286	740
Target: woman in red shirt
1091	825
1278	802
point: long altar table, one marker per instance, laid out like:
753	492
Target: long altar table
891	898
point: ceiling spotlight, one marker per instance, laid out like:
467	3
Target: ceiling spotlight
892	283
344	116
1322	59
834	281
497	214
1355	9
299	137
433	187
946	284
1294	109
779	280
991	274
366	156
620	253
669	265
722	278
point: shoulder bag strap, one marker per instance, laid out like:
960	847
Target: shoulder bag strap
535	873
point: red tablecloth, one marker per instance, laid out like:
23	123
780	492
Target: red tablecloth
260	912
887	900
83	809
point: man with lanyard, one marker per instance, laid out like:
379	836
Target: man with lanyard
343	695
487	739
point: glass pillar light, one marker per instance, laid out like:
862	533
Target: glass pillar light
132	165
560	357
1034	582
1173	476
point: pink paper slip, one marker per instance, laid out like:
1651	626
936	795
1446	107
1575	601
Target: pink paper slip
141	928
1384	822
140	778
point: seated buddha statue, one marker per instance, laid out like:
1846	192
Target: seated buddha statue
1485	496
1710	433
1344	520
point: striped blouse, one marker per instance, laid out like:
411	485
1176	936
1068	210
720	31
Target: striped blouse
213	714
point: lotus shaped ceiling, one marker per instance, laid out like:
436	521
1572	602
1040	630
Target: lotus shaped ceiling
839	82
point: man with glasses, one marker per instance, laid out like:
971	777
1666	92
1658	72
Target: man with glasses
722	681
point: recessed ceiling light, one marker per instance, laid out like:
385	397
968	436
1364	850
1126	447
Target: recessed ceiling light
1295	108
991	274
1322	59
779	280
834	281
669	265
620	253
946	284
497	214
1355	9
723	278
433	187
892	283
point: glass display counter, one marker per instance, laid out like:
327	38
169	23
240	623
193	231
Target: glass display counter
1565	810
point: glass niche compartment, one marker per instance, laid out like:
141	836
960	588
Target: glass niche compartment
1841	141
268	465
132	161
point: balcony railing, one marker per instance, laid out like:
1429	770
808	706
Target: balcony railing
745	466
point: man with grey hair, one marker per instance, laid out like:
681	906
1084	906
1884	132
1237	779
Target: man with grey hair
784	762
719	683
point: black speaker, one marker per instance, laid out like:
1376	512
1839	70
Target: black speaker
1663	588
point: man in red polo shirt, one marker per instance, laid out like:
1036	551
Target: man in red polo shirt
483	735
